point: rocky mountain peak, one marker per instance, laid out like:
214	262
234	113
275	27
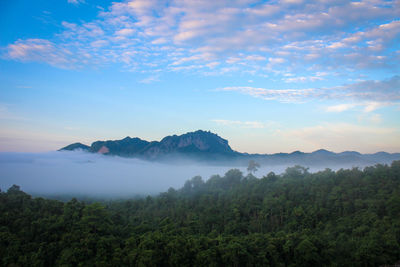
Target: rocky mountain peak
204	141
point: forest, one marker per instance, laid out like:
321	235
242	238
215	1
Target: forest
328	218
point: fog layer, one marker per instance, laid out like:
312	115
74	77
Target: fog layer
80	173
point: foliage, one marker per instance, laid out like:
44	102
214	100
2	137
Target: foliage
253	166
343	218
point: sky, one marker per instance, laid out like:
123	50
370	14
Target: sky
269	76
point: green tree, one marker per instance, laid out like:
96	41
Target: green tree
253	166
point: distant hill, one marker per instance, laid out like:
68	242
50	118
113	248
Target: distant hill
207	146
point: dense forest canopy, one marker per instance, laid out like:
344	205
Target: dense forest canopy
342	218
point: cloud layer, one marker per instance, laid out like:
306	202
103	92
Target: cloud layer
369	94
224	36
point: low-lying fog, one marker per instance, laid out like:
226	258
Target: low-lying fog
80	173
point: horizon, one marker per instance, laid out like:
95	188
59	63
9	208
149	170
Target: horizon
269	77
159	140
244	152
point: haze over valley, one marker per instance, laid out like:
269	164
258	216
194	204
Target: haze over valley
132	167
200	133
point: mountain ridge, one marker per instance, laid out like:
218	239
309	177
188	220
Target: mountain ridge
208	146
203	142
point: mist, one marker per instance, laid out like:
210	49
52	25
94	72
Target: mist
80	173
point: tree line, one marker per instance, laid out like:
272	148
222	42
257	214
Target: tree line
343	218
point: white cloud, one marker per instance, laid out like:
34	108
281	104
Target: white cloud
255	58
159	41
340	107
39	50
283	95
372	106
186	59
125	32
337	45
303	79
151	79
76	2
212	65
370	94
292	1
229	32
276	60
99	43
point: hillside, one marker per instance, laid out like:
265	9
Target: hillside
343	218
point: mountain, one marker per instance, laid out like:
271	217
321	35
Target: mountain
198	144
125	147
207	146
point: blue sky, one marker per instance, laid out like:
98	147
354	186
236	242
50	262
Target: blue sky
269	76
